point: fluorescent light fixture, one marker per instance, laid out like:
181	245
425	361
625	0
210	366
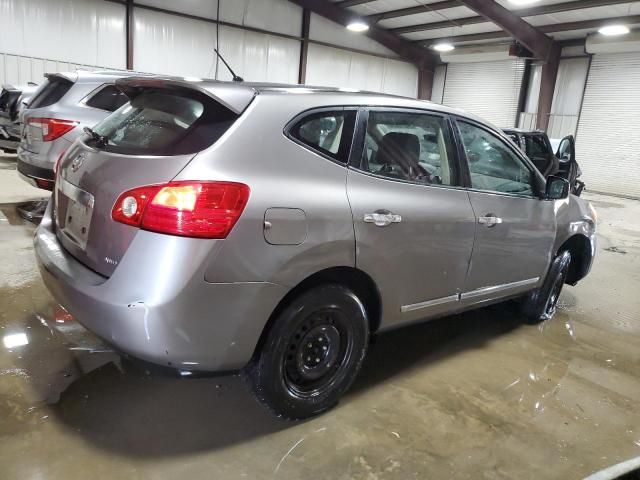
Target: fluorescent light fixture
443	47
358	26
15	340
611	30
520	3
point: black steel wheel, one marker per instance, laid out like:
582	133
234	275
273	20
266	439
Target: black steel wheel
541	304
312	352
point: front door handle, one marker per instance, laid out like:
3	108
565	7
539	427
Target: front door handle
490	220
382	218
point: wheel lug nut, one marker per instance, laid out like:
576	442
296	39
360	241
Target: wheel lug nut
324	347
317	360
309	345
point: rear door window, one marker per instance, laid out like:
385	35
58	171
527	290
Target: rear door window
411	146
108	98
164	122
51	92
327	132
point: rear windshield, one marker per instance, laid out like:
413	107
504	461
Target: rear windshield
164	122
51	91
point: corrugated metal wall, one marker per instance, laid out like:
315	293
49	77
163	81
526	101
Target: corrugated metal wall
88	32
490	90
608	144
91	34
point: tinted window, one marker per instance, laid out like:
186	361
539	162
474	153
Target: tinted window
535	146
108	98
492	164
414	147
163	122
51	92
329	132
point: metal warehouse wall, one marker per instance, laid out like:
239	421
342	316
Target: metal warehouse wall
55	35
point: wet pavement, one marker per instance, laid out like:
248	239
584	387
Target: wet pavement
478	395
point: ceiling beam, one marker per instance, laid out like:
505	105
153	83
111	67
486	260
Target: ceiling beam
403	12
351	3
521	12
401	46
554	28
536	41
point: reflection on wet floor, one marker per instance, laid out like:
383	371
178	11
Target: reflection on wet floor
477	395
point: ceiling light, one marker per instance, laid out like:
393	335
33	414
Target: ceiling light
358	26
523	2
611	30
443	47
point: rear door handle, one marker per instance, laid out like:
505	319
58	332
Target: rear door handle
489	220
382	218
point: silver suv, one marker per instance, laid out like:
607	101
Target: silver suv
215	226
63	105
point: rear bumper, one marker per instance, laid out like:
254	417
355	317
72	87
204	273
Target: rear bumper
156	309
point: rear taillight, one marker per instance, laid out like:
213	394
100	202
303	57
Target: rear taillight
187	208
52	128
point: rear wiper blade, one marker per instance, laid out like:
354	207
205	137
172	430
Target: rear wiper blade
101	140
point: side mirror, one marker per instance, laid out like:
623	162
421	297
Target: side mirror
557	188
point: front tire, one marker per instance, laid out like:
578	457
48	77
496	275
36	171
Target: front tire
312	353
541	304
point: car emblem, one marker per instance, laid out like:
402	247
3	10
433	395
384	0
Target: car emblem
77	162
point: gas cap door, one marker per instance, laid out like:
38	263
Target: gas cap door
285	226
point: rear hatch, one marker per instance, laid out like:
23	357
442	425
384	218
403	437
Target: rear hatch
50	92
148	141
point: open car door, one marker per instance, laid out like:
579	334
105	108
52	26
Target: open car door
569	168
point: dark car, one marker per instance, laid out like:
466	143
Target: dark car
12	101
562	162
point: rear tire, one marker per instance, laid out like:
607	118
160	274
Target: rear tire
312	353
540	305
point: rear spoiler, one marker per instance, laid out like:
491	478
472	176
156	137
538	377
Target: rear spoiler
236	97
71	77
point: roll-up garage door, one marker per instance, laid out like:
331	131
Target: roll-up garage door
608	138
490	90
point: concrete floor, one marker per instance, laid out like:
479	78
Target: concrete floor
478	395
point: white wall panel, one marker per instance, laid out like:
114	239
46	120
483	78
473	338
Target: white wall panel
439	78
199	8
172	45
570	82
488	89
259	57
607	143
339	68
84	31
325	30
18	70
279	16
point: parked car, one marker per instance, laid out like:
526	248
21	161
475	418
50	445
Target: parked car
560	161
12	102
221	226
56	115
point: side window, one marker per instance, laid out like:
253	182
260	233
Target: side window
108	98
328	132
414	147
493	165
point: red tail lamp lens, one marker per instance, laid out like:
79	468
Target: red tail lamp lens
52	128
187	209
